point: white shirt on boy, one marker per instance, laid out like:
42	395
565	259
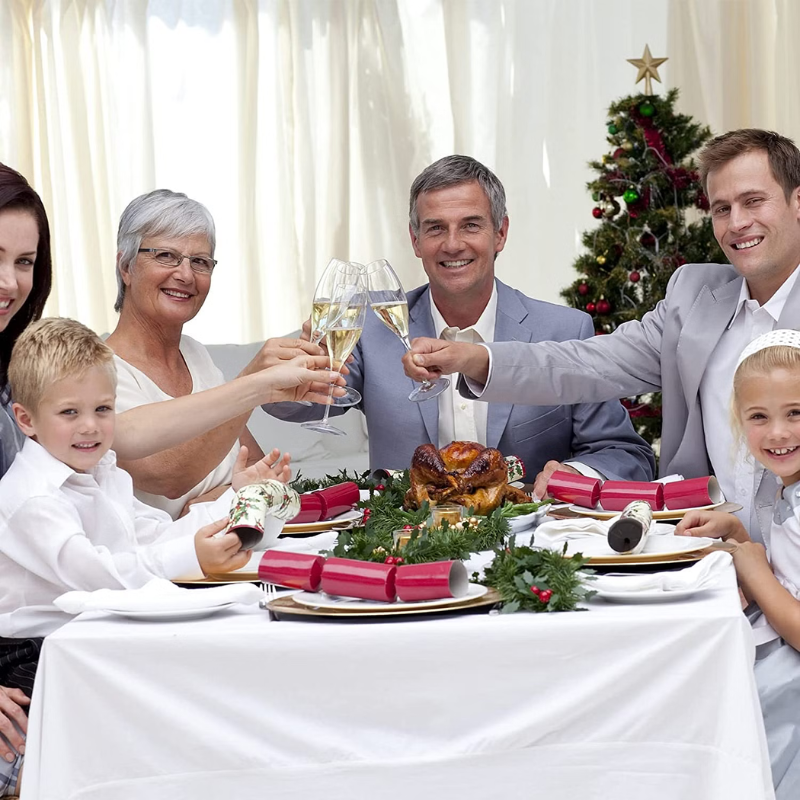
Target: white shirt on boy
62	530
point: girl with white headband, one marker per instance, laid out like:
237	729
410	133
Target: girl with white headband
765	410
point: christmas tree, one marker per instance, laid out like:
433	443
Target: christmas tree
652	212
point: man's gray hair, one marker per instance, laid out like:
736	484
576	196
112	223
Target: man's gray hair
158	213
451	171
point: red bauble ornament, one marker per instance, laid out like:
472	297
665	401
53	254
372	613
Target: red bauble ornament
634	277
597	212
583	289
603	306
619	153
380	487
647	239
590	308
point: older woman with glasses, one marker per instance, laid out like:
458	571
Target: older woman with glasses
165	260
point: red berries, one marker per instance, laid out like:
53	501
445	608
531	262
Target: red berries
393	560
380	487
543	594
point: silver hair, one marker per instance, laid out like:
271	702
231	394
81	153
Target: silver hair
453	170
158	213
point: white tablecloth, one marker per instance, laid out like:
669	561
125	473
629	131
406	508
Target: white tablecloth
637	701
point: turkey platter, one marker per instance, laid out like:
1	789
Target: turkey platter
466	473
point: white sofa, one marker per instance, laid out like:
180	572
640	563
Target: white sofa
313	454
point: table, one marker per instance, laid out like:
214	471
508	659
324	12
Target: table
649	701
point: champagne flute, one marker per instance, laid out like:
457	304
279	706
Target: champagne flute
324	312
348	309
388	301
321	305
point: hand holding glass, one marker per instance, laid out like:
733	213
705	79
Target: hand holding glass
388	301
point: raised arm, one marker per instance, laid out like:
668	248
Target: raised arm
148	429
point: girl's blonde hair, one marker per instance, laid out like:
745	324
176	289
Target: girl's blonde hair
760	364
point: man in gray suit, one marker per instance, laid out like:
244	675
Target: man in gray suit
687	346
458	225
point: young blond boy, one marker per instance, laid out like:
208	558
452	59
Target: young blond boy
68	516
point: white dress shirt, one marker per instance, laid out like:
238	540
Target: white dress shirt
462	419
62	530
736	470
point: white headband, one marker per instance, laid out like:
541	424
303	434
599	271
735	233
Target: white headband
779	338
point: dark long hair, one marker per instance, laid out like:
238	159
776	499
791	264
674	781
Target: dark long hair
16	194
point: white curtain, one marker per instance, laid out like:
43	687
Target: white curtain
301	124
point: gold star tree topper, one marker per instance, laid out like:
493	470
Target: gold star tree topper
648	68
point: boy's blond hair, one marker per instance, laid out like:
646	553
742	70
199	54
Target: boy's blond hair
760	364
53	349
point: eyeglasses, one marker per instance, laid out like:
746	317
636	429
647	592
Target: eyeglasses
168	258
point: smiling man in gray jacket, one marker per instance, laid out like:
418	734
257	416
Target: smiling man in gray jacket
458	226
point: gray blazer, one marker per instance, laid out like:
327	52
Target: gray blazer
668	350
599	435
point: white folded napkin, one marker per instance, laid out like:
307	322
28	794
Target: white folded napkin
558	531
158	595
702	575
669	478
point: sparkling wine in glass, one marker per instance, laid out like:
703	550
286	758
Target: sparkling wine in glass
325	310
388	301
349	300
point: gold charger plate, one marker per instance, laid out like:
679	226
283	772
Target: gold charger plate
648	558
286	606
660	558
219	579
340	523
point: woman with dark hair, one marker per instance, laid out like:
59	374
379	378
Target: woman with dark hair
26	275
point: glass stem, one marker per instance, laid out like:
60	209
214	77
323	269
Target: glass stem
330	393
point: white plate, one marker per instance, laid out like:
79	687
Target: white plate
666	513
322	600
651	596
343	520
525	522
169	616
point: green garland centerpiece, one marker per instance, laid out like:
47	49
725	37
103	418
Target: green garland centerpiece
515	572
530	579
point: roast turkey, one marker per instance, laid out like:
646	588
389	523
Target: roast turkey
466	473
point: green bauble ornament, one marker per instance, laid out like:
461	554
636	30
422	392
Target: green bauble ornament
612	129
647	109
596	196
630	196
